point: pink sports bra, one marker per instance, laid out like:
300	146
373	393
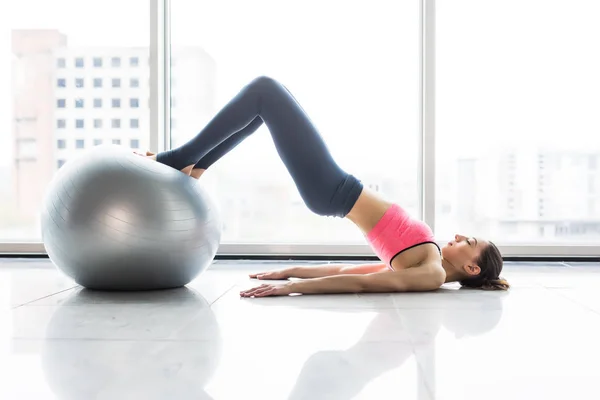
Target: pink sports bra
396	232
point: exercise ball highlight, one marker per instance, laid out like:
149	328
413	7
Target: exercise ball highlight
112	220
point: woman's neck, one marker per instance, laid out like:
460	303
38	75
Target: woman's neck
452	273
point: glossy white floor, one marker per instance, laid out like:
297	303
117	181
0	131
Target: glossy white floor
538	341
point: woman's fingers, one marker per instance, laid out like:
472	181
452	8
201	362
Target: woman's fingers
268	290
263	292
255	291
261	275
270	275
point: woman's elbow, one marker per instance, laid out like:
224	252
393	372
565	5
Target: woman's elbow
435	281
429	282
439	279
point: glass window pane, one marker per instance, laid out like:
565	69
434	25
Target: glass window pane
43	43
27	149
516	121
357	83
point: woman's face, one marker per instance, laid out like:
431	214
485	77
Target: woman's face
463	250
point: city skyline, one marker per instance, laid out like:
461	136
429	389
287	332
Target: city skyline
66	100
198	25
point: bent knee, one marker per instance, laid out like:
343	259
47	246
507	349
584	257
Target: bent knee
264	82
324	209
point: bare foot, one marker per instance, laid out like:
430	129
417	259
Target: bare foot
149	155
187	170
197	173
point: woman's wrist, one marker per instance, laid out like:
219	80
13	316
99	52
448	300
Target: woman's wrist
290	272
293	287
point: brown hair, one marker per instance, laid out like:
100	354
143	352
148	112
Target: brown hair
490	262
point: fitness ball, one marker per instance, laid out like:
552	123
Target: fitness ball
112	220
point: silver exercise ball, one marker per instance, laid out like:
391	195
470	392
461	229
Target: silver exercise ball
112	220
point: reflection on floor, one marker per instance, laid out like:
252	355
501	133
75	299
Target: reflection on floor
538	341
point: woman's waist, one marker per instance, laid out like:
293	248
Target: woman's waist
398	231
396	221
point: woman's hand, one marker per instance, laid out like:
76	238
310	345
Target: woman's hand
272	275
267	289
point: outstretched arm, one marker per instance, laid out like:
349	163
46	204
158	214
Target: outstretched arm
423	278
318	271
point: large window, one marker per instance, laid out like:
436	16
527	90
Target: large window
354	68
517	150
52	51
517	127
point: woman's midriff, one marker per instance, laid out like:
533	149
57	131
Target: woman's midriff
396	233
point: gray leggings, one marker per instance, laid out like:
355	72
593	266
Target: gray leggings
325	188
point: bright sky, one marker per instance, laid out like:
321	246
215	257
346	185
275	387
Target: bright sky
508	71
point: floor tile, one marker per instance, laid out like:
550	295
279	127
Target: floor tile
105	315
30	281
586	297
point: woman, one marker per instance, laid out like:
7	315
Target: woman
411	260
